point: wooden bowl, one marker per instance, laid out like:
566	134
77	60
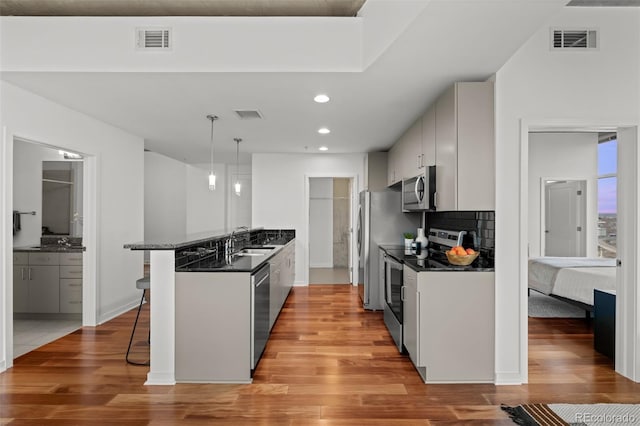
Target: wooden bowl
466	260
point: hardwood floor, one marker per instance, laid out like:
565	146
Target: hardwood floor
328	362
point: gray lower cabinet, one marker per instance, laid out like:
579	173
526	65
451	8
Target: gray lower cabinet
44	289
47	283
213	320
20	282
282	270
410	307
213	327
449	325
275	271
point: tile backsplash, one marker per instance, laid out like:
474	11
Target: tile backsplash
481	222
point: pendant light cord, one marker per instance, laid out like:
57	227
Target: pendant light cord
212	118
237	161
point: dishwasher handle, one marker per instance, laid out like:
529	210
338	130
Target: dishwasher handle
263	279
260	276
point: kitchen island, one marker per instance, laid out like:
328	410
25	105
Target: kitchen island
213	257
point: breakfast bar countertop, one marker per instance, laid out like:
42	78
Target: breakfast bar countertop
180	240
50	249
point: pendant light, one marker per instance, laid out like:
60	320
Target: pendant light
237	185
212	176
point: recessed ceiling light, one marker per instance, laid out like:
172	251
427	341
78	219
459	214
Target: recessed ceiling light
323	148
324	131
321	99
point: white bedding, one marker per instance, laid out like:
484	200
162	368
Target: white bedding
574	278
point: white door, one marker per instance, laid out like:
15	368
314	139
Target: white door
564	216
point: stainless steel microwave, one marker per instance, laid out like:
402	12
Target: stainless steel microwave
419	192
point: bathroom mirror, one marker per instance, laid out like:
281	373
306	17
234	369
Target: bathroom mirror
62	198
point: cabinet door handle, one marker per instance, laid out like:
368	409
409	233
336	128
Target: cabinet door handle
402	293
29	274
22	273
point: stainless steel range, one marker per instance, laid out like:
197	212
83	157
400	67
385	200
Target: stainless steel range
440	240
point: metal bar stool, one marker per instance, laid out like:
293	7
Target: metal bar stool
142	284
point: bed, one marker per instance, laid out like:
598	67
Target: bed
572	279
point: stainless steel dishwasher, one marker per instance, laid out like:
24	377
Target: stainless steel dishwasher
259	313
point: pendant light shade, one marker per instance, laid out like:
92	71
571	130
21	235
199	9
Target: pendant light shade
237	186
212	175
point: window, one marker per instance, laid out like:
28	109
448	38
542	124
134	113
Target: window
607	197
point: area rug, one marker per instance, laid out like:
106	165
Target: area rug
543	306
574	414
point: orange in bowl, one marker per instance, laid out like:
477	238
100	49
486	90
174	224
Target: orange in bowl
461	259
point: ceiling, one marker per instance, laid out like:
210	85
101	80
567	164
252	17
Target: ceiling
433	44
180	8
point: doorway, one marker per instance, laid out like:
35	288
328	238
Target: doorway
330	230
48	210
595	216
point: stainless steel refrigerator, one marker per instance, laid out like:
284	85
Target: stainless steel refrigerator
380	221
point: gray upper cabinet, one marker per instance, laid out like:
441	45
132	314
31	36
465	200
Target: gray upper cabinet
465	148
393	164
456	133
429	137
406	156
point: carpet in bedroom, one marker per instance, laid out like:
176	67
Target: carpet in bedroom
543	306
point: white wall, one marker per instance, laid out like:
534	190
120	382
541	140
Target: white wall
206	210
27	189
321	223
563	156
537	85
119	163
165	200
239	207
279	196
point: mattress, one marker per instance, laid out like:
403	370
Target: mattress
574	278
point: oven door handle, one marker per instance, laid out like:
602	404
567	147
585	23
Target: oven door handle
387	279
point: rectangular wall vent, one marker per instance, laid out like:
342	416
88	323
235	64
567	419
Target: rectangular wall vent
248	114
574	39
153	38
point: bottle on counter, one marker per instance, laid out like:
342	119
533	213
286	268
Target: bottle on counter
422	252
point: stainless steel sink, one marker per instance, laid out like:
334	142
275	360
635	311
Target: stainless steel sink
254	251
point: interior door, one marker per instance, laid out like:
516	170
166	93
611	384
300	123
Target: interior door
564	218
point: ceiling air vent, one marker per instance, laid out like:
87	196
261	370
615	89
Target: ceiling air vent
153	38
248	114
574	39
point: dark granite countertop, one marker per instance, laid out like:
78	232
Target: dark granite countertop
179	241
429	265
50	249
233	263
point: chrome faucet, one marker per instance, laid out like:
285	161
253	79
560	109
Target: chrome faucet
64	241
231	240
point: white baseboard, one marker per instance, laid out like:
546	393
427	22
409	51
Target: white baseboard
509	378
109	315
3	366
160	379
300	283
